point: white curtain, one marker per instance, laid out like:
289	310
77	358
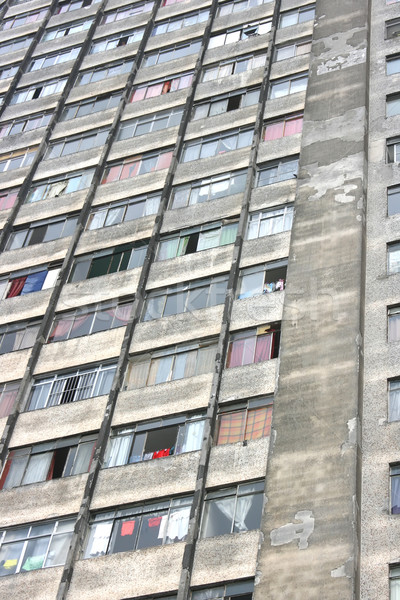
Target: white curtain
193	436
118	450
394	405
38	468
98	540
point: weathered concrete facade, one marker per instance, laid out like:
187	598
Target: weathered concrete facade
214	272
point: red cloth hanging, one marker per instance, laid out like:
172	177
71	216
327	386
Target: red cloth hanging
16	287
127	528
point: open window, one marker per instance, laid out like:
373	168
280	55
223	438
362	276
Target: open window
254	345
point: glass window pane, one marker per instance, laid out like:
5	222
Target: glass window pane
218	517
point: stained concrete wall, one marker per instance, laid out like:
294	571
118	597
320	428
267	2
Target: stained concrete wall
310	519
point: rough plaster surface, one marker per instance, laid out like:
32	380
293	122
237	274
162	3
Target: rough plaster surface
248	381
35	585
237	462
127	574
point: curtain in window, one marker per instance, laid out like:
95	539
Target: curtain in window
14	470
137	377
16	287
98	540
7	403
192	436
164	161
394	405
50	279
258	423
34	282
34	554
58	549
273	131
82	459
264	346
178	524
395	483
294	126
28	337
231	428
118	451
38	468
394	328
228	234
395	589
242	509
205	360
235	353
60	330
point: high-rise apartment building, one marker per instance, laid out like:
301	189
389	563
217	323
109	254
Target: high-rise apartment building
200	300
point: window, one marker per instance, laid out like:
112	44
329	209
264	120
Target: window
26	124
394	570
185	297
67	6
213	145
90	106
35	546
278	170
64	388
393	150
126	210
292	50
126	12
171	53
137	165
17	158
149	524
154	439
393	198
393	105
262	279
161	87
225	103
395	489
38	91
298	15
18	336
240	589
24	19
110	260
174	23
237	6
210	188
54	59
51	34
392	29
14	45
253	345
42	231
393	258
116	41
269	222
394	399
76	143
394	324
247	420
149	123
28	281
170	364
169	2
8	395
288	85
104	72
9	71
90	319
53	187
233	66
50	460
242	32
198	238
8	198
233	510
392	65
289	125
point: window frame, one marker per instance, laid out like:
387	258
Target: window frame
124	205
177	18
97	136
124	67
232	66
241	32
296	11
238	137
263	268
8	395
116	40
68	221
163	86
8	125
126	12
132	166
247	406
153	58
393	313
286	210
151	119
290	80
207	182
57	185
243	95
30	329
280	166
40	13
60	57
270	332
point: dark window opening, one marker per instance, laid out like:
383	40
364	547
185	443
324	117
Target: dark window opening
71	386
36	93
123	41
233	103
58	463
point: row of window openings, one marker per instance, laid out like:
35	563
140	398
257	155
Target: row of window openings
130	256
225	511
162	366
278	88
244	421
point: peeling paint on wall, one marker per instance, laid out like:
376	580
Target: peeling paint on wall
295	531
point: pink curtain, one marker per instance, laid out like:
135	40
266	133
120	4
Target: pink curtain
235	354
8	200
264	346
138	94
154	90
293	126
60	329
112	174
164	161
273	131
7	403
16	287
131	169
248	351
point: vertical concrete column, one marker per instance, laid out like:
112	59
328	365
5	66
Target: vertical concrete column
310	544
